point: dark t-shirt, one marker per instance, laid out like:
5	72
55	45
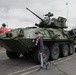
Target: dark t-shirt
39	44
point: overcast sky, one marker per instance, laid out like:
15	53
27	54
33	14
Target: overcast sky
14	13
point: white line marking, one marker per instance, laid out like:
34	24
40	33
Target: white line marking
29	72
61	59
23	70
64	60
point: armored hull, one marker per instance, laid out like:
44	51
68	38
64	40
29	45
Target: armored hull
20	40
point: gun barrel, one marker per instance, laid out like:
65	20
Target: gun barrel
34	14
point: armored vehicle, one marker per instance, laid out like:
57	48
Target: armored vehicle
57	41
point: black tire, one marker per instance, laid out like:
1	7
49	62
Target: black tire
12	55
64	50
45	55
54	52
71	48
75	49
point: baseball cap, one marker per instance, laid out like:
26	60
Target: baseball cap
37	32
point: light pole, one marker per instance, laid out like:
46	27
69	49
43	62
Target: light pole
7	24
67	12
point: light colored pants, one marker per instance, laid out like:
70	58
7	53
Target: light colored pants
42	61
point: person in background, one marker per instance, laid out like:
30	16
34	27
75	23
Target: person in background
4	29
39	46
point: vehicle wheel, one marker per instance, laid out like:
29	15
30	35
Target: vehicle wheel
64	50
12	55
75	49
54	52
71	48
45	55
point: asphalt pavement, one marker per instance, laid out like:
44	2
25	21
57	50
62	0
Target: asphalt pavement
27	66
12	65
62	67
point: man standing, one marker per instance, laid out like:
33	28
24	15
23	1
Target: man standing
39	46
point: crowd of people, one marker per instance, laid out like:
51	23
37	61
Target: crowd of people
4	28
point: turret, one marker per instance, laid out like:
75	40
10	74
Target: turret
60	22
43	22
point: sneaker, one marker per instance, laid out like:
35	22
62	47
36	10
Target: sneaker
41	68
47	65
